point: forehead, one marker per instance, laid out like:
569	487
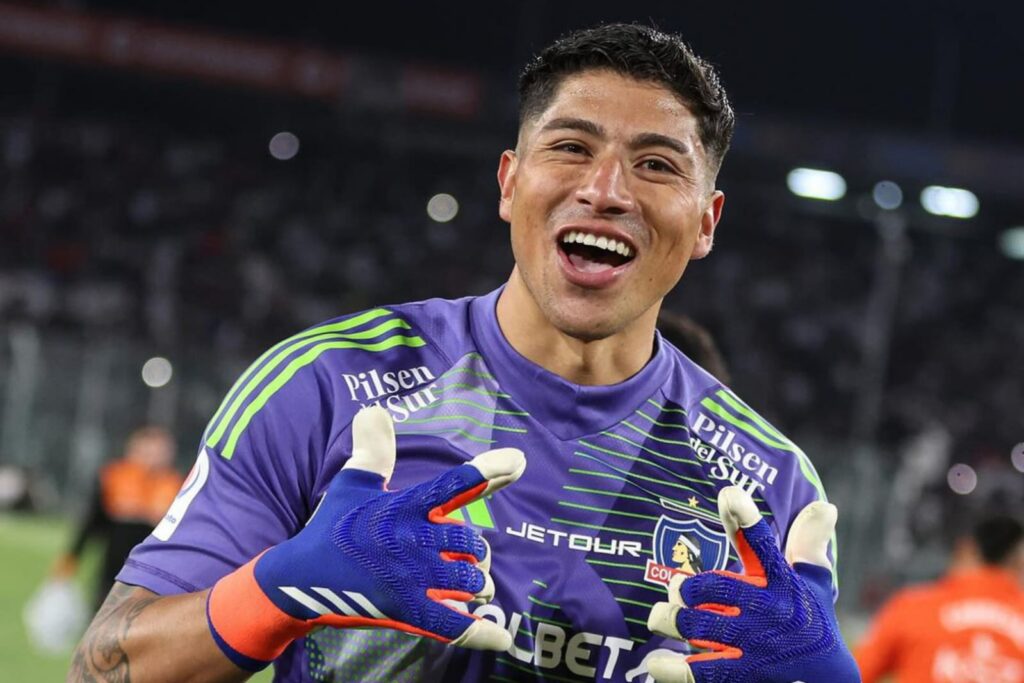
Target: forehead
622	105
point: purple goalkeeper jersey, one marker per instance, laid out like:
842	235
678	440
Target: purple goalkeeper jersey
619	491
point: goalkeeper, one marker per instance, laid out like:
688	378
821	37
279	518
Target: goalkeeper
610	193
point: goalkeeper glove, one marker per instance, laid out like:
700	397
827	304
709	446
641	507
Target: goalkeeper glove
369	557
774	623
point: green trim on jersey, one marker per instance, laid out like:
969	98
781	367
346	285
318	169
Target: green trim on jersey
236	389
243	402
764	432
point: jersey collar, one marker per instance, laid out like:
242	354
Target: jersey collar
567	410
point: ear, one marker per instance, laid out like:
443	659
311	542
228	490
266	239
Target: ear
708	222
507	183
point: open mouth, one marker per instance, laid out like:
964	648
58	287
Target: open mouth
589	253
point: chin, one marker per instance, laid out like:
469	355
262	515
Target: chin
578	324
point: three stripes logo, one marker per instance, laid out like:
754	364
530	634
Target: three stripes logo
476	513
356	605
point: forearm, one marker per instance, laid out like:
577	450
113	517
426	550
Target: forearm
142	637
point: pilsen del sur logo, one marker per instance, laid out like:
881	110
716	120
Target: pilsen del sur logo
687	547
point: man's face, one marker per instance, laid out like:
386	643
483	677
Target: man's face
612	158
152	451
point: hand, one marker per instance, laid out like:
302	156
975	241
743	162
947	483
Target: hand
369	557
774	623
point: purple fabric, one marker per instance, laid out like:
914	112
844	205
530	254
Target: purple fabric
620	484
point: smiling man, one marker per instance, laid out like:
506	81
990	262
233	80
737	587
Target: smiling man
632	449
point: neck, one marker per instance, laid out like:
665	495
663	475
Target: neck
605	361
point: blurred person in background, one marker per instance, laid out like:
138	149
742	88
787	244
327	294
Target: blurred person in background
130	497
967	627
694	340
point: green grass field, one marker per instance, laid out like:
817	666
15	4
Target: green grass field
28	545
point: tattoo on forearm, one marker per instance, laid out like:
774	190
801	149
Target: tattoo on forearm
101	655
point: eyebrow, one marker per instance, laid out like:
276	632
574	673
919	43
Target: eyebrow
638	142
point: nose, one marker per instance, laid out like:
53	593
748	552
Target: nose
605	189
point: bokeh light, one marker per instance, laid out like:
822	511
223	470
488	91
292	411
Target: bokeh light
157	372
962	479
284	146
442	207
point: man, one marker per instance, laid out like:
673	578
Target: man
131	496
610	193
965	628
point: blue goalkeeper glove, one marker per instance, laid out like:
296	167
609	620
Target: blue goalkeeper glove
369	557
774	623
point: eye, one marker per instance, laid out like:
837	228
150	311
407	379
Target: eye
657	165
570	147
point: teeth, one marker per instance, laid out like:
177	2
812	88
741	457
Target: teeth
600	242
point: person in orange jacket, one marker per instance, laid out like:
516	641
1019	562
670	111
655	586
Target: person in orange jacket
130	498
967	627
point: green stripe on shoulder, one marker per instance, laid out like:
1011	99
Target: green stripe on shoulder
281	352
230	399
297	364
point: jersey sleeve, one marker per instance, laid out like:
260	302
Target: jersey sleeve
252	482
275	442
877	652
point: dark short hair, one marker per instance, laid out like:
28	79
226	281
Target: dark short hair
695	342
640	52
997	536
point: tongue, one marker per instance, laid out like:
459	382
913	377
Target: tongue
586	265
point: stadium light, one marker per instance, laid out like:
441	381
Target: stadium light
954	202
962	478
814	183
157	372
284	146
1017	457
887	195
1012	243
442	207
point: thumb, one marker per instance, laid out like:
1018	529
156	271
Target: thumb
810	534
481	476
499	467
373	443
748	532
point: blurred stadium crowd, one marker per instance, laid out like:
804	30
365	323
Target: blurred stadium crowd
148	235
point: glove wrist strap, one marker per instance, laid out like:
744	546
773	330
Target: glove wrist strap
249	629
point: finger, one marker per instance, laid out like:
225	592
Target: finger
484	634
373	443
675	589
484	564
662	620
810	534
459	542
762	560
720	588
460	581
486	473
477	591
466	631
713	623
486	594
670	669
